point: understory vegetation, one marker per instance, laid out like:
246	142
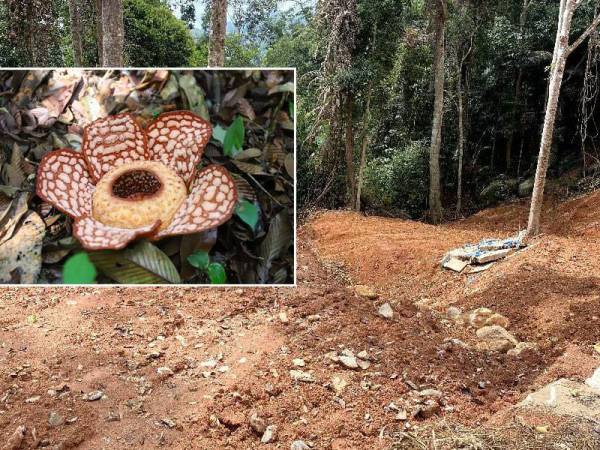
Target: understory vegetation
366	85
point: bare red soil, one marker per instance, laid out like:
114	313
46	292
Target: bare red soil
185	368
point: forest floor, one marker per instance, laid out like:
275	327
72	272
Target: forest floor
119	368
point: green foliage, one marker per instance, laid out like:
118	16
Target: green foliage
214	270
234	137
248	212
78	269
216	273
199	259
398	181
154	37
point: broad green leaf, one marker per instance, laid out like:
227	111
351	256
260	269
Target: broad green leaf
143	264
78	269
192	243
216	273
219	133
199	259
248	212
194	95
234	137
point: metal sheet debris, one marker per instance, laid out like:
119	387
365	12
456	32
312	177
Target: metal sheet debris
481	256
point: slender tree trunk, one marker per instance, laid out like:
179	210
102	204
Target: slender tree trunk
562	50
99	37
435	195
567	8
349	144
74	12
218	28
113	34
461	141
364	145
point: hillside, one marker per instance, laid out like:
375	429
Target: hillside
183	368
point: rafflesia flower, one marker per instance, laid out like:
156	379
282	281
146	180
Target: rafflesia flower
127	182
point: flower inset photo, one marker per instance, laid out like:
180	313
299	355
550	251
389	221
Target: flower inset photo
147	176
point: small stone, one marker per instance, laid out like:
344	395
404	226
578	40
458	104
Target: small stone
168	422
299	445
429	409
401	415
453	312
542	428
338	384
496	332
349	361
165	372
269	435
521	347
364	365
55	419
363	355
497	319
298	362
93	396
283	317
257	423
386	311
33	399
365	291
299	375
433	393
209	363
494	345
478	317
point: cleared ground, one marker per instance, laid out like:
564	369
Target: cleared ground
186	368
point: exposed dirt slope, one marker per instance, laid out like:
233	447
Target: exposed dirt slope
186	368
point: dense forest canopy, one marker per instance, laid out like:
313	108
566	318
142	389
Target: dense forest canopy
367	86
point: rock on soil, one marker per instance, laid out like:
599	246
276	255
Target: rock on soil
386	311
365	291
299	445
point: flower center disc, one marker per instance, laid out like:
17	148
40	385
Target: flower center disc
136	184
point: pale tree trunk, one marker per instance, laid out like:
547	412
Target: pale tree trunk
562	49
461	141
75	14
113	35
435	194
364	145
218	28
349	144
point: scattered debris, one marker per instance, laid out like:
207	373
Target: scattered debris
482	254
299	375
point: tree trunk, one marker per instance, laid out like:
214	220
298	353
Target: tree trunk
218	28
113	34
364	145
557	68
461	141
349	141
99	38
76	33
435	195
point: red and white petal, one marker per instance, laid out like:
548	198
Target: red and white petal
63	181
111	142
210	203
94	235
177	139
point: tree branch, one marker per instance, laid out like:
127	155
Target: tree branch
584	35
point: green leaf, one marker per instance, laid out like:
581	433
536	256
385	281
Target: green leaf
216	273
78	269
248	212
291	109
219	133
143	264
234	137
199	260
